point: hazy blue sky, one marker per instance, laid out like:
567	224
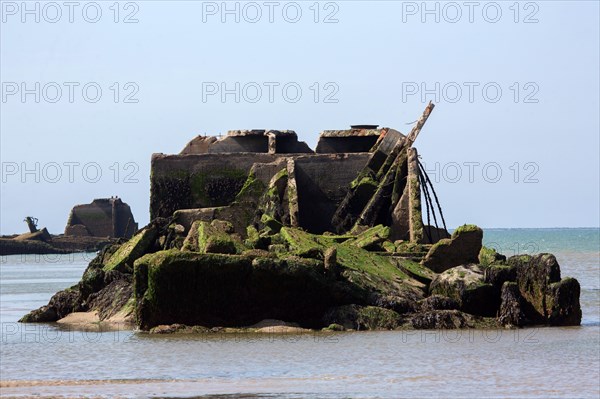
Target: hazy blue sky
516	87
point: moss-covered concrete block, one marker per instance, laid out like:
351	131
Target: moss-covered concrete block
122	260
190	288
462	248
534	276
416	270
562	301
214	240
255	240
252	189
302	243
231	290
546	298
372	238
488	256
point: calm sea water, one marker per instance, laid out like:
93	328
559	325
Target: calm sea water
47	360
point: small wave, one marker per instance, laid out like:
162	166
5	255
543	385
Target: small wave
590	324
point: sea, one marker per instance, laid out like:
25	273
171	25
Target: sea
49	360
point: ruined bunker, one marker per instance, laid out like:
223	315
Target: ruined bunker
361	176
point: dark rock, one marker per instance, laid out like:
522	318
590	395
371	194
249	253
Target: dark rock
465	284
44	314
563	303
437	302
66	302
397	304
93	280
511	311
330	260
99	290
113	297
534	276
231	290
462	248
215	246
497	275
445	319
546	298
354	317
61	304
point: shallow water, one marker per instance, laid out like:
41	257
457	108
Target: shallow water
47	359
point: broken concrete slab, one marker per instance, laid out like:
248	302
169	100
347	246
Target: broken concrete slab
462	248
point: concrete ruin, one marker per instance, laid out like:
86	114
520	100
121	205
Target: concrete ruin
255	226
356	178
103	217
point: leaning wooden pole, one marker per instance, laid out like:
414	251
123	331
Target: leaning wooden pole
412	136
374	206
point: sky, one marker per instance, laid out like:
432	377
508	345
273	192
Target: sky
91	89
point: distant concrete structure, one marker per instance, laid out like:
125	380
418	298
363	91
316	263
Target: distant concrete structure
104	217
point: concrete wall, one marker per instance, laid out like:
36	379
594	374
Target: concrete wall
198	180
323	181
210	180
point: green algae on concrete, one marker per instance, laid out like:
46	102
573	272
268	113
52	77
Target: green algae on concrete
176	286
231	290
131	250
349	255
416	270
487	256
214	237
252	189
465	228
371	238
301	243
562	302
462	248
214	240
218	188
